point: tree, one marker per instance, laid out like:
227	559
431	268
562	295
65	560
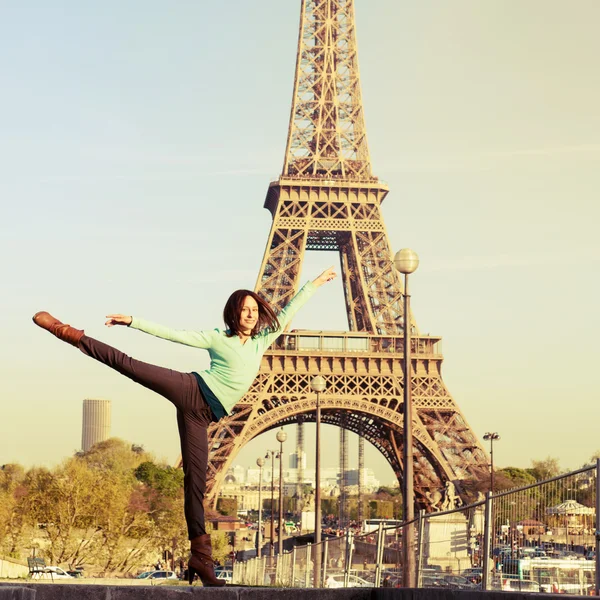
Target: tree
220	544
62	504
544	469
227	506
115	454
12	522
517	477
166	480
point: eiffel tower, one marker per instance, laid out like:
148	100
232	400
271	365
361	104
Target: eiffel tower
327	199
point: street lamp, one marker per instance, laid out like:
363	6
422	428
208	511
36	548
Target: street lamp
281	437
492	437
317	385
260	461
406	262
271	454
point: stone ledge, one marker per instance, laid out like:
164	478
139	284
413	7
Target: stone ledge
57	591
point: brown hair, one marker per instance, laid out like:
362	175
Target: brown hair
267	319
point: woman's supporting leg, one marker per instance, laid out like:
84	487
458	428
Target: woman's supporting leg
193	426
193	434
194	453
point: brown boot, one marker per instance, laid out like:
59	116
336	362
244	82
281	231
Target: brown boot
63	332
201	562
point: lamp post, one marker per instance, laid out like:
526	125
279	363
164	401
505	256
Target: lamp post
317	385
260	462
491	437
271	454
281	437
406	262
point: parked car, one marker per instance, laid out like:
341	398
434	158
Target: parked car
76	572
473	574
55	573
434	581
144	575
337	581
162	575
516	585
457	582
157	575
226	574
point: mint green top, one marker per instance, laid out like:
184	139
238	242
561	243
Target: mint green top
233	365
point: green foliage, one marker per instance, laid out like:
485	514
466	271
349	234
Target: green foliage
93	510
384	509
330	506
220	544
115	454
517	476
167	481
227	506
388	492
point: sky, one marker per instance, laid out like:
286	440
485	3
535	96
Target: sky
138	141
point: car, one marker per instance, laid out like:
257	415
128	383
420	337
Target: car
430	581
55	573
162	575
226	574
76	572
458	582
338	581
144	575
152	575
473	574
516	585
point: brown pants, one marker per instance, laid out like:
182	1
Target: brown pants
193	418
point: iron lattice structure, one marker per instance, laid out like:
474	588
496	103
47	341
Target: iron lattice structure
327	199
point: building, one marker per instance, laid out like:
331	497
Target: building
244	486
96	422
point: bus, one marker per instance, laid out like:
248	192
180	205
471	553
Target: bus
559	576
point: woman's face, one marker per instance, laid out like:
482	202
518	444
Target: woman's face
249	316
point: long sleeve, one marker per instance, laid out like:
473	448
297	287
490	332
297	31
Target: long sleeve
197	339
293	306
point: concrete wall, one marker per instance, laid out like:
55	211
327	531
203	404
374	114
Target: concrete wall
57	591
11	569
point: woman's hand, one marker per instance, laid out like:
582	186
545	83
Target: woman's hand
118	320
325	276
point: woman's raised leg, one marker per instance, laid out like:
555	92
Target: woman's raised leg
180	388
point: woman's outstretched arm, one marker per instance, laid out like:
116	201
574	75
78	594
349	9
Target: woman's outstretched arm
285	316
112	320
325	276
197	339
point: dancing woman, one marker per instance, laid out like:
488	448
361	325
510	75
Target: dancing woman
200	398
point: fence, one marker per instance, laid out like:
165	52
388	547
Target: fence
537	538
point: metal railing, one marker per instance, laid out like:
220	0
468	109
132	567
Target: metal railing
354	342
541	537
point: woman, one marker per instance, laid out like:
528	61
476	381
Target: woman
200	398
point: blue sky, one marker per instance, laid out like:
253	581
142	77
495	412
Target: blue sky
138	141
